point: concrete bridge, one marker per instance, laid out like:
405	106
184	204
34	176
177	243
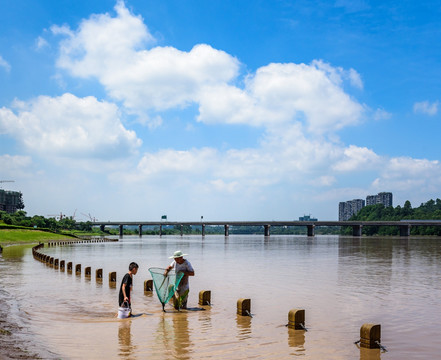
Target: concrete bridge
357	226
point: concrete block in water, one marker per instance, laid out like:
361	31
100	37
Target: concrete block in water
205	297
244	307
78	269
296	319
370	336
98	273
112	279
87	271
148	285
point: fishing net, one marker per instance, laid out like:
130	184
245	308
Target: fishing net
165	285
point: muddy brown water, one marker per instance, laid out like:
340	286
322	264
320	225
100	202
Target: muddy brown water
341	282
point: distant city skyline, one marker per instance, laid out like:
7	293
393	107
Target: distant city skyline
346	209
227	109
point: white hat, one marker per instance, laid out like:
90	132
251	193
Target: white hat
177	254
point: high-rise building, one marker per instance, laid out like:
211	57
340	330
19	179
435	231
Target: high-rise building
348	208
384	198
10	201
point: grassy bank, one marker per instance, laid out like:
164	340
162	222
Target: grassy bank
23	236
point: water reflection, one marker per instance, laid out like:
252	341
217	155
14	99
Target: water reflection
244	327
370	354
126	348
182	343
175	336
296	340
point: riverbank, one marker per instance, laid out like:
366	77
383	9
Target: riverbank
13	346
17	342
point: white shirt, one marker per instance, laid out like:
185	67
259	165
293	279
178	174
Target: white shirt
185	266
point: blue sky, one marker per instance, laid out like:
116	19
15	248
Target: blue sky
231	110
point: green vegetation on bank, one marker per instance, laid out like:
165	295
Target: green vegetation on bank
18	228
23	236
431	210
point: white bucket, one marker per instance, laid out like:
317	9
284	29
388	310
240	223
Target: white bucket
124	311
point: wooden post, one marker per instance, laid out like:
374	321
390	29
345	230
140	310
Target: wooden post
87	271
78	269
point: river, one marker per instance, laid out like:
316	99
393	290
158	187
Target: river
340	282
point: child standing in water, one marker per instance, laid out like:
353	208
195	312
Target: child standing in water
126	285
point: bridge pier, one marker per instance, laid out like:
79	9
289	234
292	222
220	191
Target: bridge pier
227	230
404	230
203	229
267	230
357	230
121	230
102	227
310	230
140	229
182	230
160	230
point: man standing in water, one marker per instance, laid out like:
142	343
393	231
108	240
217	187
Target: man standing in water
181	265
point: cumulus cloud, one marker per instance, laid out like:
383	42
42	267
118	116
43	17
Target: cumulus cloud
118	52
357	158
4	64
69	126
413	177
381	114
425	107
41	43
299	108
283	93
9	162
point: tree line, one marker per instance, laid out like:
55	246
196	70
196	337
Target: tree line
430	210
20	218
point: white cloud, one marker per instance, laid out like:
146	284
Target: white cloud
357	158
381	114
4	64
41	43
68	126
113	50
10	163
425	107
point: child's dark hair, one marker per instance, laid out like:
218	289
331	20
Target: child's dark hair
133	265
